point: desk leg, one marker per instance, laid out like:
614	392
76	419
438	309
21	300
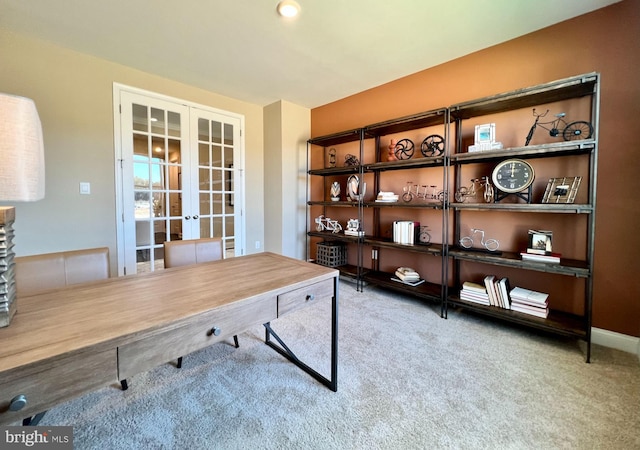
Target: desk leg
33	420
287	353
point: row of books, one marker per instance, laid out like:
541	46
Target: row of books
406	232
497	292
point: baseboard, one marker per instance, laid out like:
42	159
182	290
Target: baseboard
615	340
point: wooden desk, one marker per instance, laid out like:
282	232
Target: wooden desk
69	341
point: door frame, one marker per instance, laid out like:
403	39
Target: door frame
239	181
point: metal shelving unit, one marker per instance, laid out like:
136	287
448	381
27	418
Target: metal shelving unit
451	161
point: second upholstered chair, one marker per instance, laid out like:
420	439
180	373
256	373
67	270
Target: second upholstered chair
193	251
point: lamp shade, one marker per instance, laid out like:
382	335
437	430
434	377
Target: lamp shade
21	150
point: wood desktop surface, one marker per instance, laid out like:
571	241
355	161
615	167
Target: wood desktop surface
99	319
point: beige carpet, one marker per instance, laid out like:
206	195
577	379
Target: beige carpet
407	380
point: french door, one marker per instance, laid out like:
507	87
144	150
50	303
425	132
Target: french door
179	175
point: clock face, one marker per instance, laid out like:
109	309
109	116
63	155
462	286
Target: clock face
513	175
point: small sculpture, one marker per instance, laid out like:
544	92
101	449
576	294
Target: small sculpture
335	191
353	228
351	160
332	157
391	155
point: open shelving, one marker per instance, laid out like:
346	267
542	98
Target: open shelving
453	123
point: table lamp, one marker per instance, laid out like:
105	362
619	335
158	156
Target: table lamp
21	179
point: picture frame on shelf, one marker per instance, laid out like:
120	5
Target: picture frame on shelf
485	134
561	190
540	242
485	138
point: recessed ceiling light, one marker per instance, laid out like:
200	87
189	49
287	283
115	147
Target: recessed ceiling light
288	8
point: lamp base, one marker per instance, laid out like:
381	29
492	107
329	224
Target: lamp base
8	297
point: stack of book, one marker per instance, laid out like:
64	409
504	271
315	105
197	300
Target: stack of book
408	276
530	302
547	257
498	290
406	232
474	292
387	197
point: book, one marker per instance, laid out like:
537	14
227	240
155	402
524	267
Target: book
549	257
475	298
528	296
407	274
468	285
406	232
489	282
503	286
410	283
474	292
532	310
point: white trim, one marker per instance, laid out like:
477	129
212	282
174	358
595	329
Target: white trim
615	340
118	89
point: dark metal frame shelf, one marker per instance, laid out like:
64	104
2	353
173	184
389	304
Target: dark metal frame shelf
560	323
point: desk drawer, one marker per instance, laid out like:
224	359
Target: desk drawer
52	382
165	344
300	298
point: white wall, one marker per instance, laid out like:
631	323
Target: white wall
73	94
287	128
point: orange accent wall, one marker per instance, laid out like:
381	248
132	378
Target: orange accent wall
605	41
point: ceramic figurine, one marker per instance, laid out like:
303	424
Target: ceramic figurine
335	191
391	156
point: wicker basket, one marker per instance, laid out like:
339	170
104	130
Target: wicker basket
331	254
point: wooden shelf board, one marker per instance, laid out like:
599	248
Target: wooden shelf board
558	208
414	163
335	171
432	249
427	290
558	322
412	122
416	204
573	87
337	138
563	148
569	267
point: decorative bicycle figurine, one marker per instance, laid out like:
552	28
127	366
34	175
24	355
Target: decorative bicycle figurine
324	223
476	185
558	126
424	192
490	244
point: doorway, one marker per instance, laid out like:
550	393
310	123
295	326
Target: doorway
179	175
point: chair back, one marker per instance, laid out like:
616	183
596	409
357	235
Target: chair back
192	251
37	273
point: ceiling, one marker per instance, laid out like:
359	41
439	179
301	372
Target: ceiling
244	50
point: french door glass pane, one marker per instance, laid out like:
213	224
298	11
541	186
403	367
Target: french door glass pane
157	168
215	172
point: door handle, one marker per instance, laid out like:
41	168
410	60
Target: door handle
187	217
196	217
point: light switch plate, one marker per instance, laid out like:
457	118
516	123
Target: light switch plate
85	188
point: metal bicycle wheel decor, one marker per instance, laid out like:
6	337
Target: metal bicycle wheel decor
404	149
432	145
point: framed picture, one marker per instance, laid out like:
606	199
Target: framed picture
540	241
561	190
485	134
